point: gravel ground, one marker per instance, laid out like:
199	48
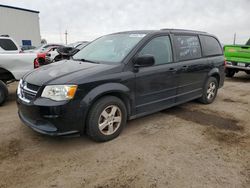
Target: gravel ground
192	145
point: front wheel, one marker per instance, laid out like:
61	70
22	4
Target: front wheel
209	91
106	119
3	92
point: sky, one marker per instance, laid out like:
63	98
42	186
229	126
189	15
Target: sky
89	19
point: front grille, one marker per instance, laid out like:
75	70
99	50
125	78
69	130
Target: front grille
27	92
33	87
28	95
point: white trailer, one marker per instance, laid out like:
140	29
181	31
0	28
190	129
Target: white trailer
20	24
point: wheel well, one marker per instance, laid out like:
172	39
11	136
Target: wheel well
119	95
5	75
217	76
124	98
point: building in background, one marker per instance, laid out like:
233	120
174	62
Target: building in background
20	24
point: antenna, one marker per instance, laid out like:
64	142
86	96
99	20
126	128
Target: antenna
234	38
66	37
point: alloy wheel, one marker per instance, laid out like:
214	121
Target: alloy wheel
211	91
110	120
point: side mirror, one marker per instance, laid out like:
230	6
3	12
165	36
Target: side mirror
144	61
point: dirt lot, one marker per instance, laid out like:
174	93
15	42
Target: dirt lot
192	145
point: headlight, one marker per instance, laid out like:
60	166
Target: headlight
59	92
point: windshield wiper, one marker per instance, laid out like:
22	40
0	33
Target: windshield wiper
85	60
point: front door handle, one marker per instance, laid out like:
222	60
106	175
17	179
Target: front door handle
172	69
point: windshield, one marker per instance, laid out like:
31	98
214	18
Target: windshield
110	48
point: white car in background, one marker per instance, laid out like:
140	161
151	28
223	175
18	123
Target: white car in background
13	64
8	45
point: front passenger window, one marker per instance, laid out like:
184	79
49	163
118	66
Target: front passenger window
160	48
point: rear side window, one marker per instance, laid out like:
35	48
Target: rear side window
187	47
7	44
210	46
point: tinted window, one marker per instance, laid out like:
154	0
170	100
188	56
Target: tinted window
187	47
210	46
7	44
160	48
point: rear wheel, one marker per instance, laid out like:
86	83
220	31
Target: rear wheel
230	73
106	119
209	91
3	92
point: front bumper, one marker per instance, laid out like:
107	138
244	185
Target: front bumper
55	119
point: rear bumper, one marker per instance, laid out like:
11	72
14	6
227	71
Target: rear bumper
234	65
57	120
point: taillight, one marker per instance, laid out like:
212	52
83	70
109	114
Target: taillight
36	64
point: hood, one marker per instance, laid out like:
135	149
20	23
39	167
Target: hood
64	72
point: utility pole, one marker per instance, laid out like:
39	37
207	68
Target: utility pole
66	37
234	38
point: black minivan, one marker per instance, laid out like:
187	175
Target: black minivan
119	77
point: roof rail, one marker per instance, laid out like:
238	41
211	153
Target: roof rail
4	36
185	30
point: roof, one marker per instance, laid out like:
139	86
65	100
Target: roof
17	8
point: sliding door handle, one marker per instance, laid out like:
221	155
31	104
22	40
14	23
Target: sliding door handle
185	67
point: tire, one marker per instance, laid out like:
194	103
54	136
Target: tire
3	92
230	73
106	119
248	72
210	90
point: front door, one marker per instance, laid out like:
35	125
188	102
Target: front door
156	85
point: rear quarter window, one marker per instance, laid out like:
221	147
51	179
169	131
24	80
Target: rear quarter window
210	46
8	44
187	47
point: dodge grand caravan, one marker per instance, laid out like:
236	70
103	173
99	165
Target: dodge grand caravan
119	77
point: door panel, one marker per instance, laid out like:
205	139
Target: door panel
191	76
156	87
